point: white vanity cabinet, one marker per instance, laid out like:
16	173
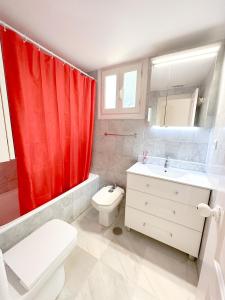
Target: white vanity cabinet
166	211
6	139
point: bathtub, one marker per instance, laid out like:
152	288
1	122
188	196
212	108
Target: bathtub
9	206
68	206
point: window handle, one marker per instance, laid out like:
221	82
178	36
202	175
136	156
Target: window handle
121	94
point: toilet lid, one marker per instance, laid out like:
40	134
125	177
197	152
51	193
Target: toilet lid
104	197
38	252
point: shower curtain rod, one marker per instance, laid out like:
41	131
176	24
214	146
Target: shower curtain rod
43	48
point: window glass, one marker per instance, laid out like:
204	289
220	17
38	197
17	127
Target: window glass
110	92
129	89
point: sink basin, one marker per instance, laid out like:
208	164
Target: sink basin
165	172
192	178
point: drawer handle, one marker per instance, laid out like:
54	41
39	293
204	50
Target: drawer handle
147	185
171	235
144	224
146	203
174	212
176	192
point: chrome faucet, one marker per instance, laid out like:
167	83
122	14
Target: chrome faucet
112	188
166	162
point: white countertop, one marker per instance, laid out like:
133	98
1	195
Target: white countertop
193	178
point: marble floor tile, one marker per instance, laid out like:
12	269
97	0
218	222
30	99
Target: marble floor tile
171	260
167	273
124	254
91	213
104	283
131	266
163	284
137	293
92	237
133	241
77	268
122	261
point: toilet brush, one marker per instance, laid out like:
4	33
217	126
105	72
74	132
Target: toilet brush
4	288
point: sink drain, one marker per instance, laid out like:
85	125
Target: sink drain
117	230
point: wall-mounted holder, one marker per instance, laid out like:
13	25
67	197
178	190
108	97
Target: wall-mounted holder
118	134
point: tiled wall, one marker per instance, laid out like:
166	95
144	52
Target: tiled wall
8	176
66	207
113	155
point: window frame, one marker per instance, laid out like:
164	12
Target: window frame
103	76
123	70
137	112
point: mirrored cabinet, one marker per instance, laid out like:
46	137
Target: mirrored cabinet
181	87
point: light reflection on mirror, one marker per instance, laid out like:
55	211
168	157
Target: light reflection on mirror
182	91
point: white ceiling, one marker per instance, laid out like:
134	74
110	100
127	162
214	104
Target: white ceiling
94	34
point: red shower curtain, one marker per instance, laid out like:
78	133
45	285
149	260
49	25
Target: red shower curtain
52	115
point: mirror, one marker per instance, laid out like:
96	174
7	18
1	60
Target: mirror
181	90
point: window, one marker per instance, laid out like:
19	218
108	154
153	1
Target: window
110	92
130	89
122	92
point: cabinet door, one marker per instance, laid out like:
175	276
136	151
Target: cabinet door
6	139
177	236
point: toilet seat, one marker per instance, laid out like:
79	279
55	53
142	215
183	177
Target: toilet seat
106	198
106	201
36	256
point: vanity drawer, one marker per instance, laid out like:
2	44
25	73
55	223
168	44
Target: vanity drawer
170	210
177	236
183	193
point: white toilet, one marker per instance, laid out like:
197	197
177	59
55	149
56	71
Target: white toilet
106	201
34	268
